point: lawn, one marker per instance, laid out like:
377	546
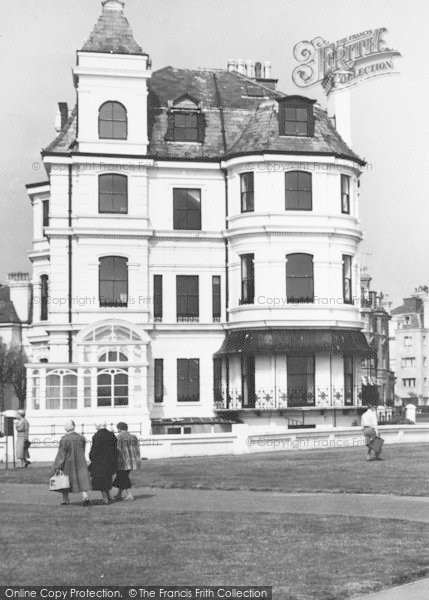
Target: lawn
303	557
405	471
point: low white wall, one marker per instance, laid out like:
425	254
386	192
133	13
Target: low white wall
243	439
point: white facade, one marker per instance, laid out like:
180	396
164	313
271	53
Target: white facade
409	341
79	344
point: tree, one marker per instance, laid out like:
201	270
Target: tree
16	372
12	372
3	372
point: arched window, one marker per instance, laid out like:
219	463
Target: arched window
298	190
112	121
299	278
112	388
112	193
113	281
61	390
44	285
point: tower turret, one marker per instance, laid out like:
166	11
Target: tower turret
111	81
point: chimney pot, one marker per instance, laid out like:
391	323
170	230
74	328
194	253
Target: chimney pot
113	4
231	64
240	66
267	69
258	70
250	68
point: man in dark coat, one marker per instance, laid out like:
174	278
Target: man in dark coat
103	457
71	459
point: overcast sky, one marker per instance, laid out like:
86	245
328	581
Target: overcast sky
38	40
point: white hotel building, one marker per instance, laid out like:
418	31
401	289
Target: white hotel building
195	250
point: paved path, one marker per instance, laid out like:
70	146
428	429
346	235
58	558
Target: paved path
409	508
419	590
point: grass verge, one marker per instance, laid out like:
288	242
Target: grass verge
303	557
405	471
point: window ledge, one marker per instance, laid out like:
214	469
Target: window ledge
193	403
196	143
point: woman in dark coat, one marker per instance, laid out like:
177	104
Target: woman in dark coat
103	457
71	459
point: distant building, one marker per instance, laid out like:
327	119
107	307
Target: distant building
410	348
15	316
377	379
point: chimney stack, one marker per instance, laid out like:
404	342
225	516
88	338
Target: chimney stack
64	112
61	116
339	111
20	294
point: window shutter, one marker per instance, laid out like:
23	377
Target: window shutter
169	136
310	120
201	127
282	110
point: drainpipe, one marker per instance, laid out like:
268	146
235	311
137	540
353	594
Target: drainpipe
225	177
70	263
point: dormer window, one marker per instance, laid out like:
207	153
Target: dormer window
186	127
185	120
296	116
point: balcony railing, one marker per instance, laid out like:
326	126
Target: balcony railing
274	399
188	319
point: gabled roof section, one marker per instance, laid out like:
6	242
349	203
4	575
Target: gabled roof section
112	34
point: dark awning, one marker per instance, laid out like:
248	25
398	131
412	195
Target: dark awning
256	341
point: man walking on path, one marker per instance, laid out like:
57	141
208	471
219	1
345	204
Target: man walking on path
370	430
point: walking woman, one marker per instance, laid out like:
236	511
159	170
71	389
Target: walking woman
103	457
128	460
22	444
71	459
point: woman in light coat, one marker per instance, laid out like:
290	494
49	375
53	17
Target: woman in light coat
22	429
128	460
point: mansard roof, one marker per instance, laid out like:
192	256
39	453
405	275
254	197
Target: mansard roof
112	34
237	121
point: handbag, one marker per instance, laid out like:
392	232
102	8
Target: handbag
377	444
59	482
